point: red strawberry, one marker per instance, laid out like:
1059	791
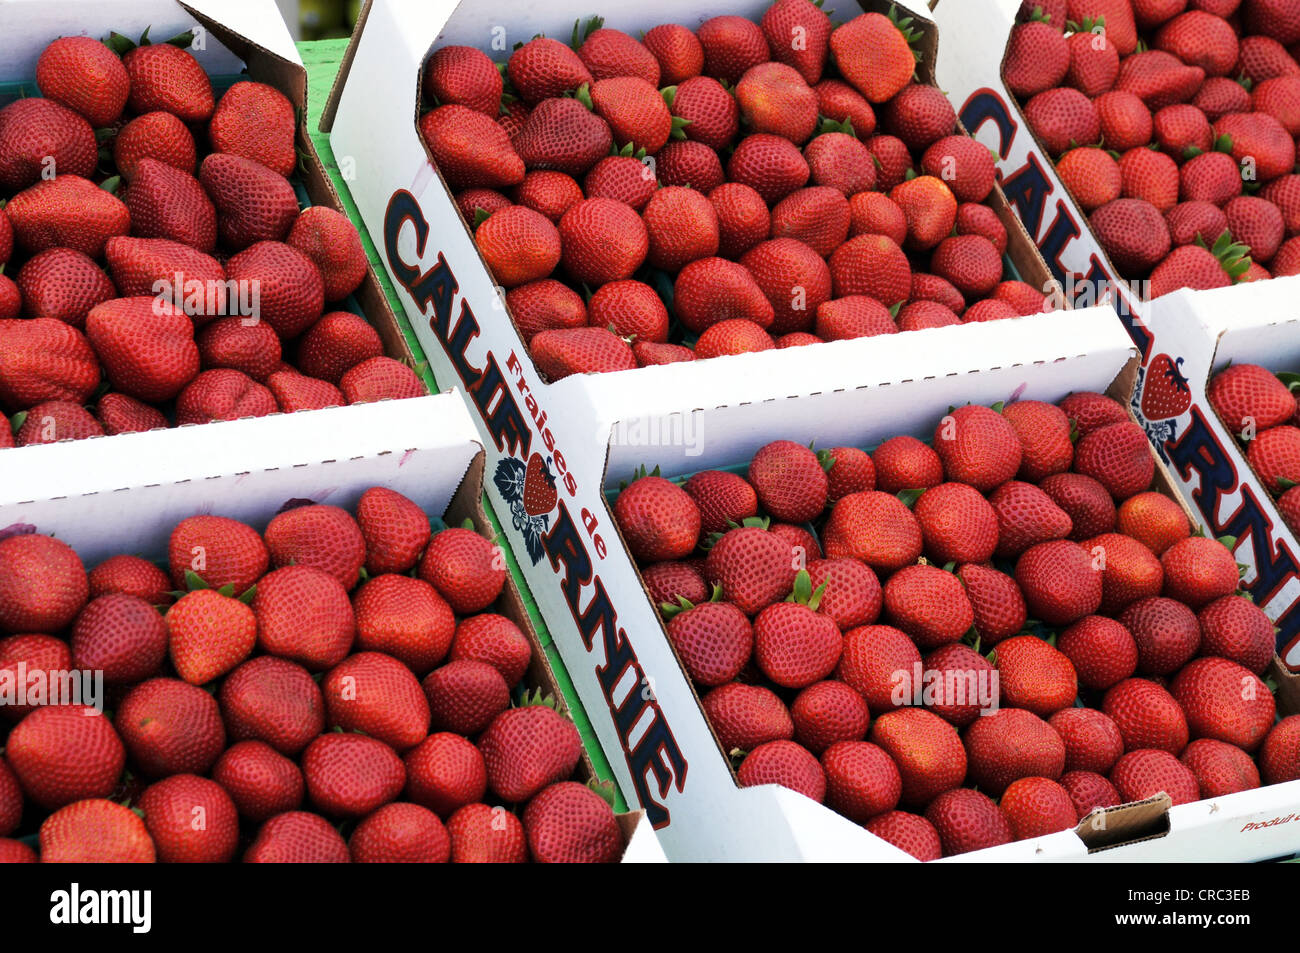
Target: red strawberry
1036	807
731	46
294	392
570	823
753	567
1011	744
67	211
138	265
1035	676
604	240
512	117
928	604
168	78
380	378
841	162
39	653
1279	97
297	837
274	701
65	753
1225	701
1284	192
465	696
170	727
255	121
958	701
785	763
546	305
165	202
1220	768
527	749
713	641
746	716
191	820
84	74
789	480
1044	434
43	584
710	290
929	207
155	135
1273	455
861	780
1166	633
543	68
253	349
223	394
1279	757
794	645
1234	628
1180	128
677	50
1147	715
465	76
634	110
798	34
705	111
610	53
1102	651
40	138
404	618
771	165
841	103
874	55
1126	121
471	201
957	524
1199	570
56	420
121	635
1063	118
1213	177
545	191
623	179
1093	741
1259	143
1151	176
95	831
325	537
1118	456
471	149
658	519
908	832
209	634
560	353
682	227
1220	96
875	527
905	463
303	614
1133	233
1089	791
1094	62
291	293
1200	39
794	278
1130	571
220	551
351	775
1143	774
925	314
11	801
563	134
1037	58
970	262
260	781
668	582
963	164
396	530
1060	580
400	833
375	694
871	265
146	345
871	656
64	284
1153	519
131	575
997	602
967	820
977	446
774	98
920	116
1256	224
496	640
253	203
826	713
1158	78
486	835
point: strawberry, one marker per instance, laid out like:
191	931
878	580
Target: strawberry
570	823
1025	517
681	226
543	68
1272	18
57	420
871	655
1092	740
925	314
351	775
1262	58
471	149
1130	571
223	394
253	349
929	208
1191	266
623	179
771	165
62	587
146	345
704	111
1036	807
1166	633
1200	39
928	604
1093	63
1182	130
1158	78
138	265
297	837
1060	581
294	392
1195	222
855	472
746	716
272	700
1199	570
261	782
817	216
65	753
910	833
1274	457
39	653
44	359
707	291
731	45
963	164
375	694
967	820
841	103
970	262
404	618
1035	676
83	74
789	480
1213	177
1284	192
781	265
1279	756
841	162
960	667
861	780
1151	176
169	78
380	378
559	353
1117	456
66	211
64	284
609	53
787	764
1133	233
1154	520
253	203
1063	118
1221	96
165	202
546	305
1256	224
220	551
1126	121
545	191
754	568
1023	297
677	51
255	121
527	749
905	463
871	265
1236	629
121	635
291	291
1260	142
400	833
1145	773
1220	768
999	607
977	446
1011	744
774	98
486	835
465	76
713	641
170	727
633	109
155	135
40	138
191	820
795	646
11	300
1037	58
875	527
667	582
1044	434
465	696
95	831
827	713
658	519
604	240
722	498
303	614
874	54
496	640
798	35
11	800
920	116
957	524
990	309
803	544
1224	701
131	575
1089	792
209	634
512	117
471	201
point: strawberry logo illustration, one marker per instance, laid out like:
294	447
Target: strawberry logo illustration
1165	393
540	495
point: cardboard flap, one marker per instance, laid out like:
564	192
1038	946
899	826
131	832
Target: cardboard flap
1126	824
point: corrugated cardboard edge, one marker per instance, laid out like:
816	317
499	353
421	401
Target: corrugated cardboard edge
467	503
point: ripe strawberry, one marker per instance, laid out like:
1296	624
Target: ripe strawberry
929	208
817	216
1063	118
1126	122
839	102
1182	128
1194	220
291	291
753	567
668	582
465	76
66	211
713	641
404	618
990	309
925	314
711	290
255	121
139	264
874	55
1257	224
375	694
465	696
1036	807
743	218
1279	97
471	201
920	115
1166	633
1279	757
220	551
65	753
633	109
471	149
486	835
1225	701
496	640
826	713
875	527
970	262
1158	78
543	68
926	750
537	306
681	226
964	165
1151	176
546	192
603	240
400	833
1284	192
146	345
16	852
794	278
1146	773
83	74
297	837
772	165
967	820
746	716
155	135
803	544
679	54
861	780
1037	58
1133	233
798	35
1191	266
325	537
165	202
170	727
133	576
56	420
774	98
303	614
957	524
223	394
1102	651
209	635
43	584
191	820
871	656
658	519
1220	768
905	463
871	265
1236	629
1044	433
1061	582
1199	570
351	775
121	635
261	781
1093	741
611	53
253	203
997	602
39	137
789	481
513	116
95	831
39	653
253	349
978	446
722	498
787	764
1117	456
168	78
958	700
1147	715
1273	455
1130	571
1260	139
64	284
1213	177
1010	744
527	749
851	471
294	392
841	162
273	701
380	378
1220	96
563	134
1089	792
570	823
1200	39
794	645
1094	63
1035	676
910	833
1154	520
704	111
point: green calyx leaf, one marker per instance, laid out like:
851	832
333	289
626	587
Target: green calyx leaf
181	40
537	697
481	215
679	127
825	459
580	33
195	582
1223	143
583	95
669	93
604	788
120	44
110	184
909	497
670	610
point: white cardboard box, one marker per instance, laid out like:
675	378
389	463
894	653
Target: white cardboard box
425	448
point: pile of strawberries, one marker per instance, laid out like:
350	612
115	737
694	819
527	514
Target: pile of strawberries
735	188
271	692
163	273
1262	410
1173	125
1021	550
